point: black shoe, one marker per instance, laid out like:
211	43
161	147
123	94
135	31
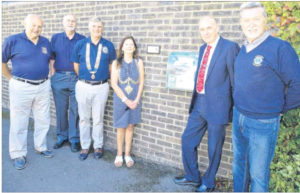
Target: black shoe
20	163
59	144
75	147
98	153
83	154
181	180
204	188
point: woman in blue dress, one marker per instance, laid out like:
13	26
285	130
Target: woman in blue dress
127	81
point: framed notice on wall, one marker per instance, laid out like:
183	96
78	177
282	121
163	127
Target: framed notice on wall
181	70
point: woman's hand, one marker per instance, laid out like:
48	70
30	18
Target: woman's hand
135	103
131	104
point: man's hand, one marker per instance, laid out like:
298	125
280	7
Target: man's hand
6	71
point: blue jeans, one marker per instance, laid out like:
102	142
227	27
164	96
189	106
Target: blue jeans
67	118
254	142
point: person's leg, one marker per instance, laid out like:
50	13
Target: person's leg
216	136
84	109
190	140
262	141
21	97
128	142
128	139
41	114
240	165
73	111
98	107
120	141
61	99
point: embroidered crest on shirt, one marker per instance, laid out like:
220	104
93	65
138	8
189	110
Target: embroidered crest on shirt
105	50
44	50
258	60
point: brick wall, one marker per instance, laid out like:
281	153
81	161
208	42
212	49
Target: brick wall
171	25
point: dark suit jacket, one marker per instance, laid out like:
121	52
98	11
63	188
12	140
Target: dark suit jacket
216	103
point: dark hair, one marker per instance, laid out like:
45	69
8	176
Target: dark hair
120	52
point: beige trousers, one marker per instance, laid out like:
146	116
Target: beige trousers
91	101
25	97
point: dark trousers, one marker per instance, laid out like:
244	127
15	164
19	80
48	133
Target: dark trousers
67	118
191	139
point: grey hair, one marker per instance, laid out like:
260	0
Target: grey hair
95	20
250	5
65	17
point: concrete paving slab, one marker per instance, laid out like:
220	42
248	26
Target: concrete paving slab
66	173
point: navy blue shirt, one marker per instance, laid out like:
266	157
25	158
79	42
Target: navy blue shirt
108	54
29	61
267	79
62	48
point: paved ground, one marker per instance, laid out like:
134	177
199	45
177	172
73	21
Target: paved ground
66	173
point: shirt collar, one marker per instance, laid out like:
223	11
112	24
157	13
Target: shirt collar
74	37
250	46
23	35
90	41
214	44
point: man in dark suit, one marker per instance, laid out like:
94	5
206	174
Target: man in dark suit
211	105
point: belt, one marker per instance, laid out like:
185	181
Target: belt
29	81
93	82
66	72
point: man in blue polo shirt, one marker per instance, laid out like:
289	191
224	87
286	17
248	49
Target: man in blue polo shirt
267	83
29	88
92	58
63	84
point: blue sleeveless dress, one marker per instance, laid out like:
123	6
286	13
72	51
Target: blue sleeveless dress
129	83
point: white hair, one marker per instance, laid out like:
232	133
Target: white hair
251	5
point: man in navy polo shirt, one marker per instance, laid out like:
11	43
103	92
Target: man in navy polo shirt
92	58
29	88
266	84
63	84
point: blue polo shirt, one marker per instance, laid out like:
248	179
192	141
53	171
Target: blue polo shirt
62	48
108	54
29	61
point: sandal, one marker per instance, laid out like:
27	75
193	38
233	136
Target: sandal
118	161
129	161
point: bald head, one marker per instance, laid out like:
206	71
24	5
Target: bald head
32	17
69	23
33	26
209	29
206	19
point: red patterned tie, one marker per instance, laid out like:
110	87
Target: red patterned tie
201	73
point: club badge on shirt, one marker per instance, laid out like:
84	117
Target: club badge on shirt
105	50
258	60
44	50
